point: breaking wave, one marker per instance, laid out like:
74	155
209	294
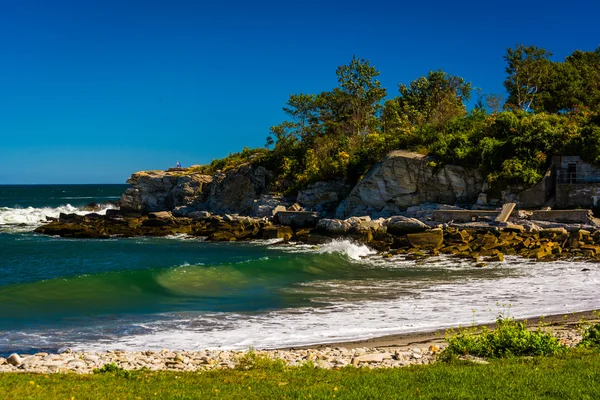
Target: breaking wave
33	217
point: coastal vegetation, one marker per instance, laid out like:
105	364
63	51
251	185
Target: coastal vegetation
550	108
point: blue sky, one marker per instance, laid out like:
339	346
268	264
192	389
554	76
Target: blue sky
93	90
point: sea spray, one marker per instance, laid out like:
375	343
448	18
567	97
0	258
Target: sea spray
32	217
352	250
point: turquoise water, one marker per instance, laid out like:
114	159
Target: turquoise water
183	293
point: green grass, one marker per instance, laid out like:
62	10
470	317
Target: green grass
572	375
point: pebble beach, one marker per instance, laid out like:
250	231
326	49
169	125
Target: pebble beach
385	352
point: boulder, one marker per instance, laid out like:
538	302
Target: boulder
199	215
432	239
406	179
265	205
402	225
334	225
160	215
278	232
14	359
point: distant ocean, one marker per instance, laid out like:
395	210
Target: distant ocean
183	293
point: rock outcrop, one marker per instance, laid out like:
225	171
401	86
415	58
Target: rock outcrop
405	179
232	192
324	196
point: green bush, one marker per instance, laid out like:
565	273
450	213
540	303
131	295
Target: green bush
591	337
250	360
510	338
112	368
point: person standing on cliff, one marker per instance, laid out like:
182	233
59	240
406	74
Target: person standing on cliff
178	165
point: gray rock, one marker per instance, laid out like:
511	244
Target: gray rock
323	195
230	192
402	225
14	359
199	215
371	358
406	179
334	225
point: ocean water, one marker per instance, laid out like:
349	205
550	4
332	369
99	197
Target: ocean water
183	293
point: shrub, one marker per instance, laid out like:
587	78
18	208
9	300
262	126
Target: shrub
510	338
251	360
591	337
112	368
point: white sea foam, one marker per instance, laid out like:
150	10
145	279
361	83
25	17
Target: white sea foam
419	305
352	250
32	217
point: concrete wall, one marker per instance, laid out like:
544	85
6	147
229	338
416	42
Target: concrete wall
577	195
462	215
563	216
538	195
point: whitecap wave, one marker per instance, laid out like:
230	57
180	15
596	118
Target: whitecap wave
350	249
33	217
543	288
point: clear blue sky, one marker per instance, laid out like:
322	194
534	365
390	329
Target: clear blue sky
93	90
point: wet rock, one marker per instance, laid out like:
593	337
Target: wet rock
498	257
402	225
281	232
432	239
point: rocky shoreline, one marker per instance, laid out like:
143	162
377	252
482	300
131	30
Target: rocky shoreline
420	349
480	241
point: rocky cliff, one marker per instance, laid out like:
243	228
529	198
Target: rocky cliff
231	192
401	180
405	179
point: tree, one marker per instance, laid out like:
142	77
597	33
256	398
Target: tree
434	99
360	95
528	69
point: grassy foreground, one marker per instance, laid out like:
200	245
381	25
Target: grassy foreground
573	375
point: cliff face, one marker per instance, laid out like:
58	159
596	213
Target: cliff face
231	192
401	180
405	179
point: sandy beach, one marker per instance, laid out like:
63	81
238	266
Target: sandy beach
558	323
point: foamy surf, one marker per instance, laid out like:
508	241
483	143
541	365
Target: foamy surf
537	289
32	217
350	249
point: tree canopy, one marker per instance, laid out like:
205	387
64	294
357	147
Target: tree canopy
551	108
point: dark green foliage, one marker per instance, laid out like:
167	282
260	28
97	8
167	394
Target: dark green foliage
510	338
591	337
552	108
233	160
